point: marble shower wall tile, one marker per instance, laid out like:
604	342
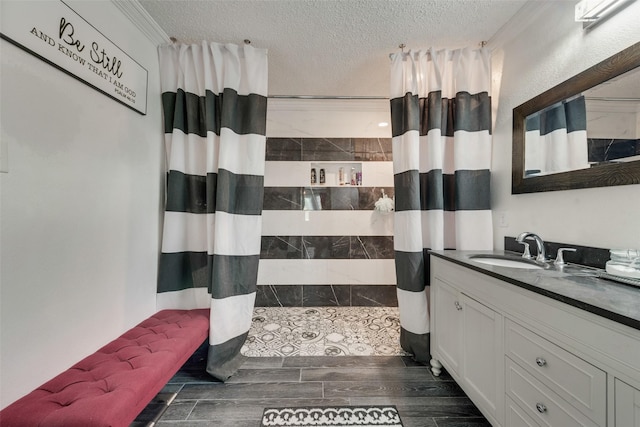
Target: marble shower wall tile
345	198
304	252
281	247
329	149
371	247
370	195
327	271
323	223
327	247
284	149
370	296
326	296
282	199
279	296
373	149
331	198
323	198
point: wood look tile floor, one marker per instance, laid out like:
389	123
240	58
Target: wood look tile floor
198	400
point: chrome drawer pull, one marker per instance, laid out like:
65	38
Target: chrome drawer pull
540	361
458	306
541	408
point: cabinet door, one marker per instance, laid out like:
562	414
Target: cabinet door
627	402
447	325
482	350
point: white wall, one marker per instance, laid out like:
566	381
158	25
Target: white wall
548	48
79	209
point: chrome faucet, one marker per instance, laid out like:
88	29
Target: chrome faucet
542	256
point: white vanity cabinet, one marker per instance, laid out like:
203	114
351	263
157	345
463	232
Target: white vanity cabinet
469	343
446	339
527	359
627	405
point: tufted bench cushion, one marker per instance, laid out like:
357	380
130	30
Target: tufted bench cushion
114	384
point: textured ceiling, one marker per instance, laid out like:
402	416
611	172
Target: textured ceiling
333	47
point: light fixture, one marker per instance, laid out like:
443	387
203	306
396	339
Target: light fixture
591	11
383	124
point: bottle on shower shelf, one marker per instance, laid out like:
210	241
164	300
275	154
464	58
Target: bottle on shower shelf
341	176
322	176
313	175
353	176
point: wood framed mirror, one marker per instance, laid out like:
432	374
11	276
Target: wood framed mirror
623	69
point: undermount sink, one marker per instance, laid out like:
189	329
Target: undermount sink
505	261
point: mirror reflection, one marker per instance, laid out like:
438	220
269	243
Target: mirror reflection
597	127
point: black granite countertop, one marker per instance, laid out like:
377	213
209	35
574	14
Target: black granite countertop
572	284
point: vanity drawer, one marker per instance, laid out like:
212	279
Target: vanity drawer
540	403
516	416
576	381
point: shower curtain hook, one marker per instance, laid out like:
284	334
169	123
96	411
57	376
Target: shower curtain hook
173	40
483	43
247	41
402	46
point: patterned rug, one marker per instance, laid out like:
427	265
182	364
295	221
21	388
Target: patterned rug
324	331
340	416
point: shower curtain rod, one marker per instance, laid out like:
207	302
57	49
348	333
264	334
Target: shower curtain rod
327	97
402	46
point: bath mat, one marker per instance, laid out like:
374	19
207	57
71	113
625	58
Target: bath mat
332	416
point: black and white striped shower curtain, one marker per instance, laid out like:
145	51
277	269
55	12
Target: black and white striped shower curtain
556	138
441	127
214	98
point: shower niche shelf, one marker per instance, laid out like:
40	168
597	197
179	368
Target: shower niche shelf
332	174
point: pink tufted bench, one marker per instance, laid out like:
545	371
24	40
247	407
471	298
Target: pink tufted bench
114	384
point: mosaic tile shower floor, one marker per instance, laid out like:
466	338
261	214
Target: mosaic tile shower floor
324	331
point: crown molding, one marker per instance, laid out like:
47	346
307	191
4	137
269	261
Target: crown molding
141	19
